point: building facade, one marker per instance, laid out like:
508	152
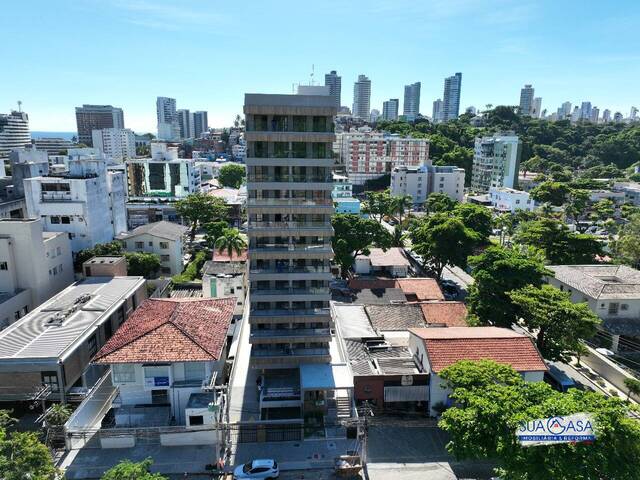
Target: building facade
526	100
496	162
368	154
505	199
420	182
436	113
168	126
362	98
118	144
52	145
96	117
411	105
451	98
390	109
14	133
200	123
334	82
289	160
185	123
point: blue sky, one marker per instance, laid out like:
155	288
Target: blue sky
207	53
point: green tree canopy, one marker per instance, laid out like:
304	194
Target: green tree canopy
200	208
443	240
559	324
144	264
353	236
109	249
213	230
230	242
379	204
475	217
439	203
128	470
232	175
496	272
627	248
490	403
551	192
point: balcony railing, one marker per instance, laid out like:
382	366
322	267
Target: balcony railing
276	247
288	352
290	332
56	197
287	225
290	178
281	312
290	269
291	291
293	202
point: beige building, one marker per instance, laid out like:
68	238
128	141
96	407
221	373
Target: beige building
105	267
34	266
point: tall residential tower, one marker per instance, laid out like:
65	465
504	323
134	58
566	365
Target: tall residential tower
411	107
526	100
362	98
451	98
334	82
96	117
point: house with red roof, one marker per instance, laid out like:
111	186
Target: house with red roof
437	348
166	359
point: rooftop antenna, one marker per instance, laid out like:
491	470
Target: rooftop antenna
313	67
20	106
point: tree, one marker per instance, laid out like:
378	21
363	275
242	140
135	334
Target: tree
143	264
439	203
496	272
475	217
400	204
561	247
559	324
602	210
58	414
378	204
230	242
353	236
398	237
627	247
232	175
551	192
633	387
213	230
128	470
200	208
111	249
443	240
486	413
576	206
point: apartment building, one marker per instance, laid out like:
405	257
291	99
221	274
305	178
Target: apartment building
86	202
34	266
118	144
366	154
420	182
14	133
362	98
505	199
289	160
411	105
496	162
390	109
96	117
52	145
451	97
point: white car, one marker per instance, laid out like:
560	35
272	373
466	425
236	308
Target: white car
257	470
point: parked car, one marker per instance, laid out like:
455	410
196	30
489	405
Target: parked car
262	469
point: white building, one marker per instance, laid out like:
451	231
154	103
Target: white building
165	239
361	98
239	151
163	176
451	97
14	133
34	266
27	163
87	202
368	154
496	162
420	182
411	106
226	279
168	126
526	100
536	110
432	347
52	145
118	144
505	199
390	109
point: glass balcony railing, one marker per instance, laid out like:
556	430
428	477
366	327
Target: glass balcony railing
290	178
282	312
287	225
290	332
293	202
291	291
279	247
290	269
288	352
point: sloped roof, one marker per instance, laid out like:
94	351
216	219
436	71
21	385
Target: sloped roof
600	281
422	288
217	256
171	330
446	346
449	314
162	229
392	257
395	317
378	296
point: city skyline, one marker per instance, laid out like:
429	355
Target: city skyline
132	82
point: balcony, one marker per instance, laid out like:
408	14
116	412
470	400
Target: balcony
282	315
291	273
290	269
290	178
285	294
56	197
277	251
300	335
286	228
289	202
289	356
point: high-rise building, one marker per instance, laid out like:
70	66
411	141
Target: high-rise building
436	115
526	100
119	144
375	114
168	125
96	117
595	115
606	116
564	111
185	123
411	106
536	110
585	111
14	133
362	98
451	98
334	82
200	123
575	115
390	109
289	159
496	162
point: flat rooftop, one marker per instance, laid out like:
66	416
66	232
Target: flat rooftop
87	303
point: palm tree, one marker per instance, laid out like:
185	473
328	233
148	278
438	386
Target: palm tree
58	414
398	237
230	241
401	204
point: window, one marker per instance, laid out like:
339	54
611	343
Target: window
165	258
164	245
123	373
58	251
196	420
54	219
4	266
151	244
624	306
613	308
65	220
50	379
92	344
139	244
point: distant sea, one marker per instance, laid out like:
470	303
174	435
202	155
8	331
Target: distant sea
65	135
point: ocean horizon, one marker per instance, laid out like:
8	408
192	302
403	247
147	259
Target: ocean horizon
43	134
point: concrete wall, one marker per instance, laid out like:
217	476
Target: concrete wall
613	373
206	437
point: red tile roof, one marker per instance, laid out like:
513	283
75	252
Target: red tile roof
360	283
449	314
217	256
422	288
171	330
446	346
